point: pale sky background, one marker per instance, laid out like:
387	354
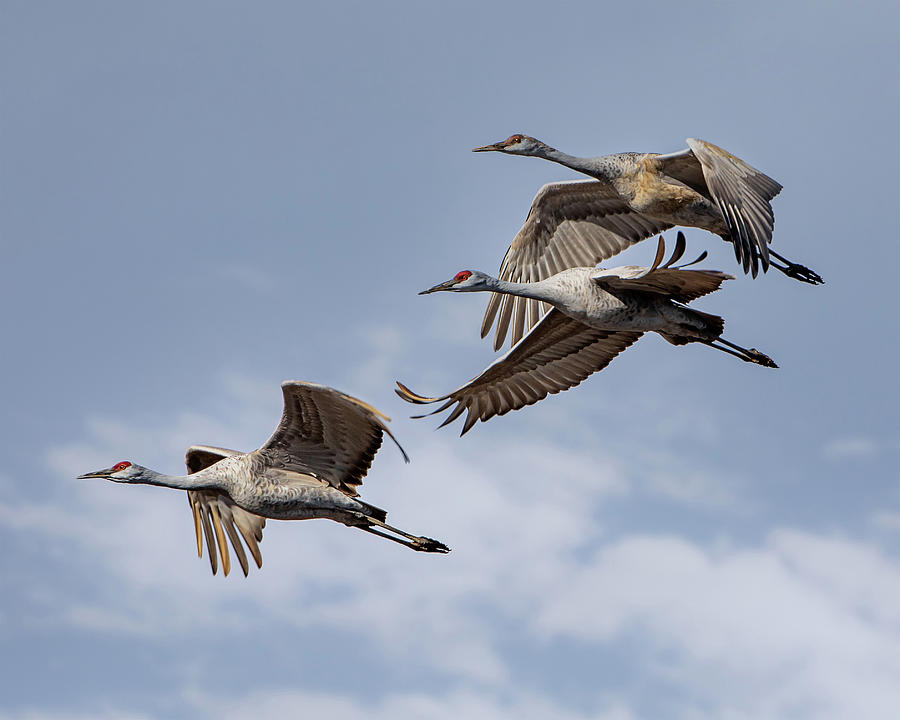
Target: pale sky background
202	199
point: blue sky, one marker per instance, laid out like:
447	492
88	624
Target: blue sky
200	200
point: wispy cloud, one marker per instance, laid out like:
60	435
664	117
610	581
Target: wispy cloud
524	705
745	630
759	632
850	448
886	520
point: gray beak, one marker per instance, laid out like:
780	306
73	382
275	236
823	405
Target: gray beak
95	474
488	148
442	286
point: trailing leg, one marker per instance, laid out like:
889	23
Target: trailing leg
415	542
795	270
746	354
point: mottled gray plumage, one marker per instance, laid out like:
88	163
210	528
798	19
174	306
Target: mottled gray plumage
311	467
634	196
596	314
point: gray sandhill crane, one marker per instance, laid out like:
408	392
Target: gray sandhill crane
635	196
311	467
596	314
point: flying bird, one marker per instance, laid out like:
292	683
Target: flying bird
595	315
634	196
311	467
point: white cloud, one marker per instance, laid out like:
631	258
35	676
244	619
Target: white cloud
798	622
103	714
886	520
525	504
850	448
523	705
800	625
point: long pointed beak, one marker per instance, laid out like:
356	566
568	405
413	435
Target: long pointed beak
442	286
488	148
95	474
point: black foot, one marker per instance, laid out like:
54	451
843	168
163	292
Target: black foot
796	270
755	356
802	273
425	544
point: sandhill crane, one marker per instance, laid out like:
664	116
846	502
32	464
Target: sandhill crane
309	468
596	314
634	196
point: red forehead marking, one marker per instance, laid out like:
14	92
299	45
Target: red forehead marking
463	275
513	139
121	466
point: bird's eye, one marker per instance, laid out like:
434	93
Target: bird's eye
464	275
121	466
514	139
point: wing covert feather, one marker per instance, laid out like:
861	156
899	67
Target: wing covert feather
570	224
557	354
326	434
679	285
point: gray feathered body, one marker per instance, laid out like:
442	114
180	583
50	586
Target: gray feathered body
280	494
575	293
640	180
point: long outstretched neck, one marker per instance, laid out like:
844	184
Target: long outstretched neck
595	167
197	481
536	290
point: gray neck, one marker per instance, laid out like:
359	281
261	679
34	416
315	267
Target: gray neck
197	481
536	290
595	167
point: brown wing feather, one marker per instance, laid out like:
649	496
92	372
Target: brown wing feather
742	193
679	285
216	515
570	224
557	354
326	434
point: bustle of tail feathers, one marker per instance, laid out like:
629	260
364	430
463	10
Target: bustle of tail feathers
712	324
372	511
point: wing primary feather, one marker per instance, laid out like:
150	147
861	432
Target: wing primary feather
455	413
195	508
220	539
490	313
472	416
236	544
411	396
252	542
210	541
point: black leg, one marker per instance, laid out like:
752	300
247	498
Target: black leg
751	355
795	270
415	542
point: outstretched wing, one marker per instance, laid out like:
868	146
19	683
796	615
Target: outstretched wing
570	224
557	354
742	193
216	515
326	434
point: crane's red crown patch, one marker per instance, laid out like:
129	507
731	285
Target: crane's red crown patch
121	466
463	275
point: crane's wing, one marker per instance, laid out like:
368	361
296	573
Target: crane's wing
216	515
557	354
742	193
667	280
326	434
570	224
